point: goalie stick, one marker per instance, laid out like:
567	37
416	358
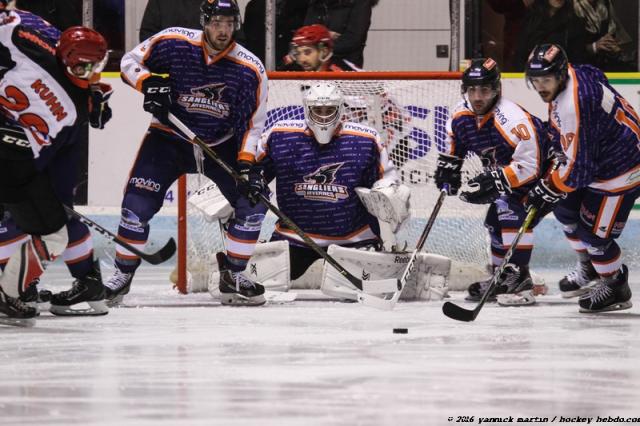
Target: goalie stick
156	258
390	303
461	314
363	287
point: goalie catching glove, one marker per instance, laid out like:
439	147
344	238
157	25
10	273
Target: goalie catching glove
488	187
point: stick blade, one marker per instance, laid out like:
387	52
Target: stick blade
163	254
458	313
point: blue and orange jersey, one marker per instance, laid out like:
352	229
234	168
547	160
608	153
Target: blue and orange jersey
507	137
599	132
35	22
315	184
215	96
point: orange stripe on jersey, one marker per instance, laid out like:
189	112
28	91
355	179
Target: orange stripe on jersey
77	243
613	217
6	243
238	240
323	237
511	177
461	113
504	135
576	137
356	133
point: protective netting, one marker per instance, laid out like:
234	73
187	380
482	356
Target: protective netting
411	117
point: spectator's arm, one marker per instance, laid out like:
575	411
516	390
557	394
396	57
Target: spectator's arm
355	34
151	21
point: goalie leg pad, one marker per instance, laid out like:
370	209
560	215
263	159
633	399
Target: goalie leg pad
429	281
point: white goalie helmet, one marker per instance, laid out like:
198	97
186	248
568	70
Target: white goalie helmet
323	108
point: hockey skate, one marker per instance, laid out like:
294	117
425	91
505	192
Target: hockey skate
117	287
579	281
237	290
15	312
515	287
608	295
34	297
88	291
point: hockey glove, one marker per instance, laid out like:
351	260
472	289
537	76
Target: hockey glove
448	174
252	182
488	187
99	110
543	198
157	97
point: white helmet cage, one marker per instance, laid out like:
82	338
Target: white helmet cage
323	109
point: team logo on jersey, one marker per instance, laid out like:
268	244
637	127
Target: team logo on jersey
319	185
488	158
207	100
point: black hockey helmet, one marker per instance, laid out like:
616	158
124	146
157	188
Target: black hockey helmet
211	8
481	72
546	59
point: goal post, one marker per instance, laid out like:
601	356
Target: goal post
410	111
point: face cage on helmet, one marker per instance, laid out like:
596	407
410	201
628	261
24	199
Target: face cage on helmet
324	120
90	68
323	129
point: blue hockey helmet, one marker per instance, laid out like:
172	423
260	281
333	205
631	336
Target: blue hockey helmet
211	8
481	72
546	59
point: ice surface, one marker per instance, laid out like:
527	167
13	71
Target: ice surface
186	360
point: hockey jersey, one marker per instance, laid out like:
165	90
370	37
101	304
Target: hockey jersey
599	132
35	92
218	98
507	137
35	22
315	184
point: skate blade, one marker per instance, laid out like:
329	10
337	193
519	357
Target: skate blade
279	297
235	299
575	293
524	298
614	307
95	308
18	322
116	302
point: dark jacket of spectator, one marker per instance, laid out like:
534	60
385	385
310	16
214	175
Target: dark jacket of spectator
563	28
514	12
349	19
62	14
290	16
162	14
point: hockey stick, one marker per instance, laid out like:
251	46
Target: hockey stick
390	303
461	314
377	286
156	258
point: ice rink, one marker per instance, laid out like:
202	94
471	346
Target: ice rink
168	359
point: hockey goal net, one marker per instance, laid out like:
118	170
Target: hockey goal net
410	110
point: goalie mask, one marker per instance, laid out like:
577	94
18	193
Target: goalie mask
323	108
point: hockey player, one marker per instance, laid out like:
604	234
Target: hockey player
219	90
593	193
318	163
46	97
513	147
311	49
79	253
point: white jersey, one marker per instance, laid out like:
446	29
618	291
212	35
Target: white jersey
35	93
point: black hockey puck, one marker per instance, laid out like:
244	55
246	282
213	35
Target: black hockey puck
400	330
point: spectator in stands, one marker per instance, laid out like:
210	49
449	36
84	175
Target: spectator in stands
607	42
348	21
552	21
162	14
312	50
62	14
514	12
290	15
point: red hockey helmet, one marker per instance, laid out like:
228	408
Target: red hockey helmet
83	51
312	35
